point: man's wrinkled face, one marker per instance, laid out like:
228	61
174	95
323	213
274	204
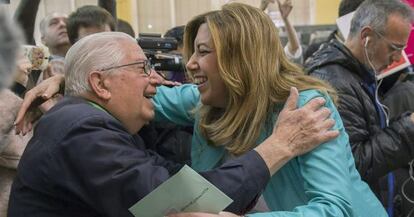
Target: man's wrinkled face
388	46
130	89
55	33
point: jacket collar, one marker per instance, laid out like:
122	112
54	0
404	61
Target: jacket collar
336	53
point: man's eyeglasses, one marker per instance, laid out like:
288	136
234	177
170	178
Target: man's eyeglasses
394	47
145	65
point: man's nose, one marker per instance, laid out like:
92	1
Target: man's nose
395	57
62	23
155	78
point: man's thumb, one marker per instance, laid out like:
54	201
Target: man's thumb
291	102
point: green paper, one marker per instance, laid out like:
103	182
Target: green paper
186	191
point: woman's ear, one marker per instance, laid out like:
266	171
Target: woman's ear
96	81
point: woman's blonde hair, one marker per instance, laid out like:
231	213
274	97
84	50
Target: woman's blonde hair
255	69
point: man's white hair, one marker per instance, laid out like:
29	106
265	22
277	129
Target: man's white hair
93	52
10	41
375	13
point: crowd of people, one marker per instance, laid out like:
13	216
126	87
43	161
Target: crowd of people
280	130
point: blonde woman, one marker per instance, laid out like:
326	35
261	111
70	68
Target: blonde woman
242	79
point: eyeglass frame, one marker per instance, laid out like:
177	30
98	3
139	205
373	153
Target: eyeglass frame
391	44
148	67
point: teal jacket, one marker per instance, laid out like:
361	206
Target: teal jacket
321	183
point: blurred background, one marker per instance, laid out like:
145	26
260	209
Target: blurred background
157	16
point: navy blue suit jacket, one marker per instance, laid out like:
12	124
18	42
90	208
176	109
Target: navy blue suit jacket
81	161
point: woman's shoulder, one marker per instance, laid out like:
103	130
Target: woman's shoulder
307	95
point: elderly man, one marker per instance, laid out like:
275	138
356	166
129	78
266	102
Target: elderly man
86	160
379	33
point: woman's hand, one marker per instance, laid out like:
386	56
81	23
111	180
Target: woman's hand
27	113
157	79
200	214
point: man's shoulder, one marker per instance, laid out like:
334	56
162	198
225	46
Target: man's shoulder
337	76
331	60
71	113
74	109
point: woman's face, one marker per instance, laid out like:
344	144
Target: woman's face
203	66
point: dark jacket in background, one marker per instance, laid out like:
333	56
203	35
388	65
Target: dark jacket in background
376	151
169	140
312	48
82	162
400	98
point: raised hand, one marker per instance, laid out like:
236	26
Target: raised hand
285	8
265	3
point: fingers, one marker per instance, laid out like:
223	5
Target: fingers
315	104
326	131
286	3
171	83
29	97
34	98
193	214
31	100
291	102
27	127
329	135
278	3
322	114
23	126
155	78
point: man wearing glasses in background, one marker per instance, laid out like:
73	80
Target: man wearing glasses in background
379	33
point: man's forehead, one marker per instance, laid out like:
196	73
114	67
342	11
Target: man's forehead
396	20
134	50
139	54
397	27
56	15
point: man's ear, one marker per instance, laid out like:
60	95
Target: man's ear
365	35
96	81
42	39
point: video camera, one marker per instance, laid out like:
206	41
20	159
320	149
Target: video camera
157	49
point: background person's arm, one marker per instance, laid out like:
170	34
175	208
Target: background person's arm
25	15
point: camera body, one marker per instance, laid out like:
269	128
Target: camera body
158	51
